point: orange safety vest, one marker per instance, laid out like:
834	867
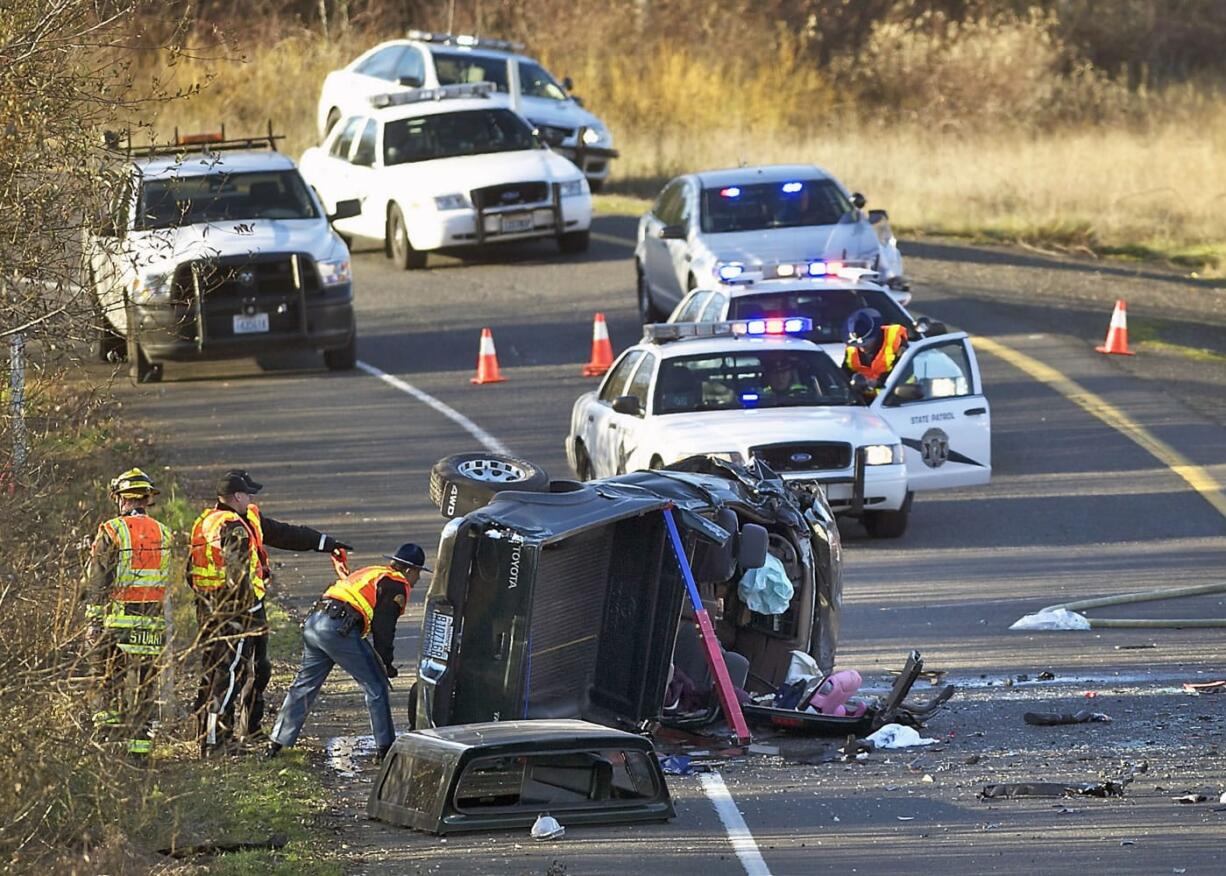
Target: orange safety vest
143	565
360	589
886	356
208	570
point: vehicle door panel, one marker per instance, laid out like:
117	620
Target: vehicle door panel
362	184
947	431
658	260
679	254
600	438
337	180
625	430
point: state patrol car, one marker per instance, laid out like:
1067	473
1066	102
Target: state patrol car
452	166
716	225
428	60
745	390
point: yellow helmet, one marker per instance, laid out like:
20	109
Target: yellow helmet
133	484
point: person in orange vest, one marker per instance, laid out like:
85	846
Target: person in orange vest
872	349
129	568
228	570
365	603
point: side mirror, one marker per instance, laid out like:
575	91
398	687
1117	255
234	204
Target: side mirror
858	201
628	404
568	83
410	81
671	232
875	216
904	392
751	548
930	328
346	210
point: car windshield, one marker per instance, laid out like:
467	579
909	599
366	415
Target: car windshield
827	308
446	135
535	81
750	379
756	206
221	197
457	68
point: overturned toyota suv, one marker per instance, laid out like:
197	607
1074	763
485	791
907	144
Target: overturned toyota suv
215	248
555	599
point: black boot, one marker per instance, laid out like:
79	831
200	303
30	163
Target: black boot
271	751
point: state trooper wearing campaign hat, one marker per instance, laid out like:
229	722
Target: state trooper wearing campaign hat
353	626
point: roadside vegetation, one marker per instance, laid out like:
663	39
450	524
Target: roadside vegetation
1087	126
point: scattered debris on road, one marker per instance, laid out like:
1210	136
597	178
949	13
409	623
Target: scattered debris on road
546	827
897	736
1051	719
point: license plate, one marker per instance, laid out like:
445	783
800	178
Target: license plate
437	635
245	325
516	224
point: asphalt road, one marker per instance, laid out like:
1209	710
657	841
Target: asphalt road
1076	509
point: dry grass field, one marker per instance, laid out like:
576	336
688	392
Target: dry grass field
978	147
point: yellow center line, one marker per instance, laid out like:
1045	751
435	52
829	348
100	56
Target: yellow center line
1197	477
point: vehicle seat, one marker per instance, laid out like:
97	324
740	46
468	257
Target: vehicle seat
691	659
679	390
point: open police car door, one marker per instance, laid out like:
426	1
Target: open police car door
934	400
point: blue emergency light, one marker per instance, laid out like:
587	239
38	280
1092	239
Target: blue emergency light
730	270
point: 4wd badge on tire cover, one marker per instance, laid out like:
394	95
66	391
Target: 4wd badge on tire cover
934	448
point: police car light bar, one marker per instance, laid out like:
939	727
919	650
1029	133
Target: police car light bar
443	92
662	332
464	39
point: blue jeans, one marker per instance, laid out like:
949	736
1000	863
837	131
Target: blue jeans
322	648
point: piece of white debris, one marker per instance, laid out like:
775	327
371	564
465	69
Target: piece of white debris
897	736
1052	619
546	827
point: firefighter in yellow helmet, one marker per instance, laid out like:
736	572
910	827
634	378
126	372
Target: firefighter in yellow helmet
129	569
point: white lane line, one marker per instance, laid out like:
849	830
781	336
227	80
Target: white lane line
488	441
734	824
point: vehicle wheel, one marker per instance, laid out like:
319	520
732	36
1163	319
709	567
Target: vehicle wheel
343	358
403	253
886	524
108	345
413	694
464	482
334	116
647	310
575	241
656	463
583	464
691	283
140	368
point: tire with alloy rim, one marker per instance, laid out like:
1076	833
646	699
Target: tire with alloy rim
343	358
402	250
583	463
464	482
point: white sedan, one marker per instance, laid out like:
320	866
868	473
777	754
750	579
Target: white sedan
742	390
715	226
448	167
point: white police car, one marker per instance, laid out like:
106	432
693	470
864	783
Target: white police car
744	389
428	60
826	299
452	166
715	225
216	248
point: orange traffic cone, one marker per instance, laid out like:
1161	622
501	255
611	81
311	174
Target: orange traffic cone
1117	332
602	350
487	360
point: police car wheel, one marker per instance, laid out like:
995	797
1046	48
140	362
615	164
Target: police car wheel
403	253
334	116
648	312
343	358
109	346
413	694
575	241
464	482
583	464
886	524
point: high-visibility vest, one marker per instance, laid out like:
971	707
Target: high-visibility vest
887	354
142	566
360	589
208	569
